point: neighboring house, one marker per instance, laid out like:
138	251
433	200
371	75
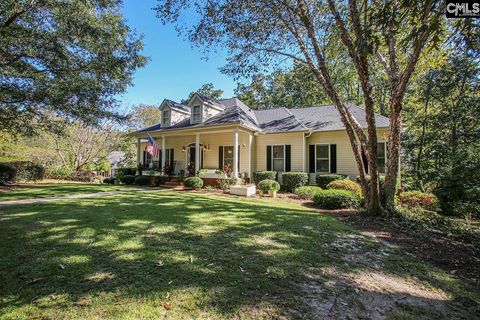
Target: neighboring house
209	133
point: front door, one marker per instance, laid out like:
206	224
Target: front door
191	160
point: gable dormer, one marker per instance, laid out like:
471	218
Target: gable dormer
202	108
172	113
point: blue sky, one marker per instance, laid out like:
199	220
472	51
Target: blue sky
175	68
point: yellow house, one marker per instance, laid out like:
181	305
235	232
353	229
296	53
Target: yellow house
212	134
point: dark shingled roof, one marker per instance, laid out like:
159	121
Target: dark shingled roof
177	106
324	118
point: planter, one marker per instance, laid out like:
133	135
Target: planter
243	190
272	194
150	173
211	174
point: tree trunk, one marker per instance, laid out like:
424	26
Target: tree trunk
393	155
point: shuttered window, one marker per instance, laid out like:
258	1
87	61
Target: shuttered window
322	158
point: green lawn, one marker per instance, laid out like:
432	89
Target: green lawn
183	255
54	190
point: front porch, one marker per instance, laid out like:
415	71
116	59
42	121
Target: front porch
186	153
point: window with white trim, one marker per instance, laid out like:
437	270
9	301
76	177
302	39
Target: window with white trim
165	117
228	155
278	158
381	156
197	113
322	158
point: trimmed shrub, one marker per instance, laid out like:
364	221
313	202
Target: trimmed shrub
323	180
307	192
294	180
427	201
144	180
109	180
29	171
128	179
264	175
336	199
8	173
162	179
268	185
345	185
127	171
193	183
419	215
226	183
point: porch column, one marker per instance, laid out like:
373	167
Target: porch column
138	155
163	152
304	151
197	153
250	137
235	153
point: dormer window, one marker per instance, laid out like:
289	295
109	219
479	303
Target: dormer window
197	113
165	117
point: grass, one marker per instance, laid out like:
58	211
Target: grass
179	255
29	191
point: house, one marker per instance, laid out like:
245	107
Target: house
211	134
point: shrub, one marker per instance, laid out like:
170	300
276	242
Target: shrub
345	185
29	171
264	175
294	180
307	192
144	180
62	173
161	179
83	176
226	183
8	173
336	199
128	179
127	171
193	183
109	180
427	201
269	185
324	179
419	215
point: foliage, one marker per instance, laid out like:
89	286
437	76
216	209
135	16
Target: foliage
427	201
144	180
58	172
417	214
127	171
268	185
337	199
294	180
264	175
323	180
67	58
128	179
193	183
109	180
307	192
162	179
83	176
345	185
226	183
207	90
143	116
8	173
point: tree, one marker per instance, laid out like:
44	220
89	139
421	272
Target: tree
207	90
385	37
69	58
144	115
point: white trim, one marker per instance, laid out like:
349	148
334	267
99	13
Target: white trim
223	154
284	156
201	114
236	164
304	151
329	157
169	122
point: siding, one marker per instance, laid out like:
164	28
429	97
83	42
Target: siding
294	139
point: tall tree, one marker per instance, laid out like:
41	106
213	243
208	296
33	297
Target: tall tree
69	58
144	115
208	90
386	37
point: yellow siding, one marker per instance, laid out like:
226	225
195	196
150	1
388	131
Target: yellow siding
294	139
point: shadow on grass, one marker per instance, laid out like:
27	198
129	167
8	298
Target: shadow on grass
198	252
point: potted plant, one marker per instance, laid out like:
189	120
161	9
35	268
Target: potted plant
269	186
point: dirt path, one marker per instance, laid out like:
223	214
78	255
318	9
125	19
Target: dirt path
72	196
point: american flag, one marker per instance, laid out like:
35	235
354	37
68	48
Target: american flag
152	147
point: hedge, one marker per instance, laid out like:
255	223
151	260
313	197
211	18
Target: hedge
128	179
345	185
336	199
307	192
193	183
264	175
109	180
323	180
226	183
8	173
144	180
294	180
268	185
127	171
11	172
427	201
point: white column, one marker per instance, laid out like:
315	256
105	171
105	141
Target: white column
197	153
138	155
250	137
163	152
304	151
235	153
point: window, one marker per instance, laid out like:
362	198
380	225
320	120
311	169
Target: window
197	113
165	117
278	158
381	156
228	156
322	157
